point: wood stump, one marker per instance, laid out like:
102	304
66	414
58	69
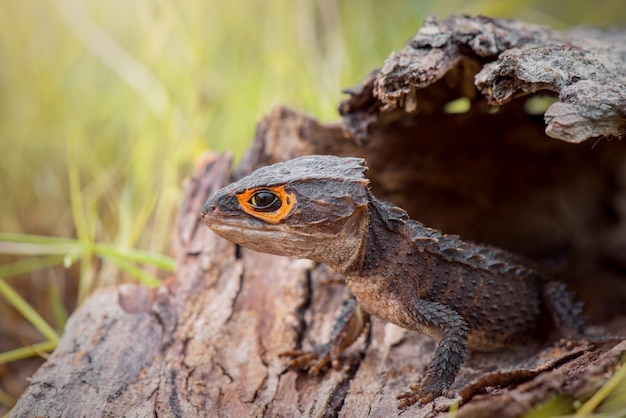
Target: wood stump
207	341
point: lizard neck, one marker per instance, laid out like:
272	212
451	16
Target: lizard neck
384	280
346	253
384	236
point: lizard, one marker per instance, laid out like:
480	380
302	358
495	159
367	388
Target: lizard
460	293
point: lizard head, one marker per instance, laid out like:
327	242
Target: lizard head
310	207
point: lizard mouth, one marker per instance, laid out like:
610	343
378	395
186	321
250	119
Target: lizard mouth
230	226
213	217
255	234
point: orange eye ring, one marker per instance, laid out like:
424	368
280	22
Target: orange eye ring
255	202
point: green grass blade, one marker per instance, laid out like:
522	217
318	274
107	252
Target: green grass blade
59	313
145	278
40	245
597	398
36	239
29	265
7	400
139	256
29	313
25	352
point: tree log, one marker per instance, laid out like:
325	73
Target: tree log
207	341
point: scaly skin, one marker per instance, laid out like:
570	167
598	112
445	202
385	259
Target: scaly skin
462	294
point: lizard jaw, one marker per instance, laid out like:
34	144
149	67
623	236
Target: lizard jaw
259	236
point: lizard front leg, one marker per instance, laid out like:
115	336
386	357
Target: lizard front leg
349	326
450	329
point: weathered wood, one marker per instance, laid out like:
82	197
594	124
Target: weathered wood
509	59
207	342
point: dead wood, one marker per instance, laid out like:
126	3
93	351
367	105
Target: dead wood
207	342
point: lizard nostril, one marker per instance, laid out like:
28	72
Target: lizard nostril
208	208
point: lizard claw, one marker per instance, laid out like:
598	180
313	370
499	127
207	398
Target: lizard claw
415	396
315	361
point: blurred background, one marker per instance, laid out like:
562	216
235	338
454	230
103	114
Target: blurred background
106	106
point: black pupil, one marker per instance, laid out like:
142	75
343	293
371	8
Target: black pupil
265	201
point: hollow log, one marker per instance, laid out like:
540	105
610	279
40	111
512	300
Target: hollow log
551	186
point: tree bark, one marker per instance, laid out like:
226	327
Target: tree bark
207	341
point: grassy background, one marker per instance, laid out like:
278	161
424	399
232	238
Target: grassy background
105	106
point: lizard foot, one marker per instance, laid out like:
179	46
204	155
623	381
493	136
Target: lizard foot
315	361
418	395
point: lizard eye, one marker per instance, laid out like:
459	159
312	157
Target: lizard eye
272	205
265	201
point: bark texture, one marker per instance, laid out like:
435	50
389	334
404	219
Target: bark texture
207	342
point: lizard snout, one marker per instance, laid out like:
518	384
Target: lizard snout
208	207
